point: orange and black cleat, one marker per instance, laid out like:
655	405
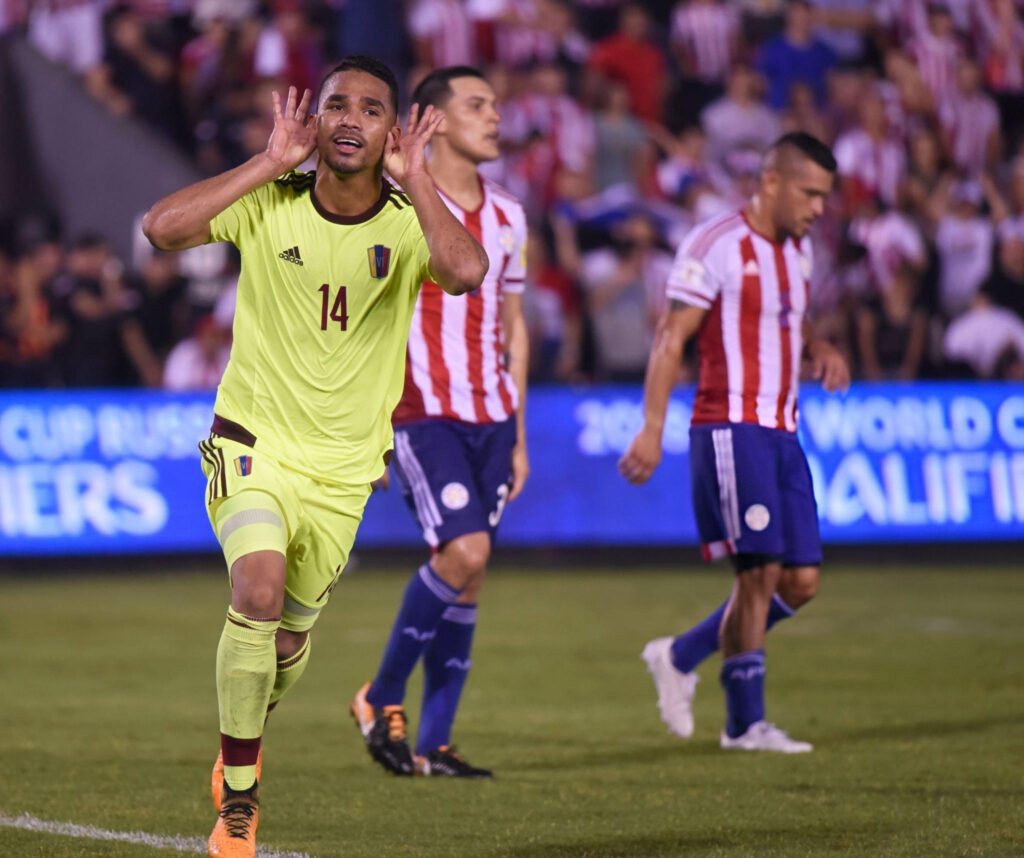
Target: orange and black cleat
383	730
217	778
234	835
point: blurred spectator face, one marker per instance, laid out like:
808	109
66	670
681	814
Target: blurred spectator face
291	24
968	77
1011	257
88	259
872	115
616	98
801	99
638	232
160	271
633	22
925	151
572	186
1017	185
471	119
354	119
549	80
127	31
897	65
557	16
211	338
940	21
966	197
742	86
46	260
798	21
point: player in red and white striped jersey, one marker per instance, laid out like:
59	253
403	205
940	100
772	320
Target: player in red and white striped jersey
936	52
740	282
706	35
460	444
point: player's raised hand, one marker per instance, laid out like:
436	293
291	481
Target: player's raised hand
405	154
643	456
520	470
829	367
294	136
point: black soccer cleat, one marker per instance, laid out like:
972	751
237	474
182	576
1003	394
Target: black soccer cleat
383	732
446	762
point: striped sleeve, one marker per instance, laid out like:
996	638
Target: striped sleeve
689	280
514	281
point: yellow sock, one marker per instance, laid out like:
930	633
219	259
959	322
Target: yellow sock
246	668
289	671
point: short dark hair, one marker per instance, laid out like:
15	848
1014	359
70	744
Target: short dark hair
358	62
436	88
809	146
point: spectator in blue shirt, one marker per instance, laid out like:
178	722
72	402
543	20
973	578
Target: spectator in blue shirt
795	56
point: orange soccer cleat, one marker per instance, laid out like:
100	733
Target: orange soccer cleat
234	835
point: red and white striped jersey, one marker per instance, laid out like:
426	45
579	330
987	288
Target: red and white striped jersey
880	166
751	341
446	25
708	34
970	122
936	60
455	365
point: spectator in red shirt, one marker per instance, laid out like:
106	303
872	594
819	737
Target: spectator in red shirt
632	57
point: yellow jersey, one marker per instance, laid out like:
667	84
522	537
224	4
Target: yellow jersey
321	324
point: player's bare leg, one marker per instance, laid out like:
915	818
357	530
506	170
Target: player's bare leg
798	585
743	665
673	661
246	671
462	563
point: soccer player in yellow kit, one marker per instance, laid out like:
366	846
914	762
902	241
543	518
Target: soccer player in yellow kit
332	262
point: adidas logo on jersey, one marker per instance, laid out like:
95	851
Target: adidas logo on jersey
751	269
291	255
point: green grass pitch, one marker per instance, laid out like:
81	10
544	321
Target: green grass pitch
909	682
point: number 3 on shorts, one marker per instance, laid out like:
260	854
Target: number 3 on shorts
495	516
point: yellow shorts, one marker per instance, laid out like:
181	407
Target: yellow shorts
257	504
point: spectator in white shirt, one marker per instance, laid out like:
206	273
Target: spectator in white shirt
198	362
871	161
964	239
739	118
970	120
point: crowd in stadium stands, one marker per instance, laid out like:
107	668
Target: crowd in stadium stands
624	125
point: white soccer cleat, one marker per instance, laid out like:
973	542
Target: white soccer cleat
763	736
676	689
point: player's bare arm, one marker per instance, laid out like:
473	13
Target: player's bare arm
182	219
678	323
518	341
457	261
827	364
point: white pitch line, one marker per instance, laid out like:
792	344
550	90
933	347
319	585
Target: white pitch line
194	845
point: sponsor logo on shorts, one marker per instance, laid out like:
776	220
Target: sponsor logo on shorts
243	466
757	517
455	496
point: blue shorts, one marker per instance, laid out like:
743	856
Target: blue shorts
752	494
455	476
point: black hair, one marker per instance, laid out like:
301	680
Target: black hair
436	88
809	146
371	66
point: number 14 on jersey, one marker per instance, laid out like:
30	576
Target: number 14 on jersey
336	312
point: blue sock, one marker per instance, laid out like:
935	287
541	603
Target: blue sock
691	648
426	599
446	666
743	680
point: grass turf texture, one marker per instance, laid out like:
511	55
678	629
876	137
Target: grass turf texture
909	682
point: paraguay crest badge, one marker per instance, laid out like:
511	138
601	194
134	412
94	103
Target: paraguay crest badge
380	260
